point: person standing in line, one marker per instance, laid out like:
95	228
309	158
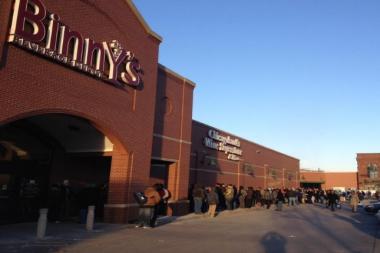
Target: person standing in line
280	200
262	198
332	198
235	199
354	201
292	197
268	198
198	196
67	194
242	196
229	196
213	201
249	197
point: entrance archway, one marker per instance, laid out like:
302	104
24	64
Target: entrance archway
58	161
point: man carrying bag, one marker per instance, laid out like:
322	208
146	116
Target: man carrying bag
146	211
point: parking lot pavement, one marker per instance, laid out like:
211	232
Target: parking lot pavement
301	229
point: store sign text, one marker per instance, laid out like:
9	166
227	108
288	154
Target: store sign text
231	147
35	29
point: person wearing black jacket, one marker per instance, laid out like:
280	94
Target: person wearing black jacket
280	200
332	198
249	197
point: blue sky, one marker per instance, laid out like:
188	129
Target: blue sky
299	76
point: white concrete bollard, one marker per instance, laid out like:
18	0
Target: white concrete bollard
90	218
41	225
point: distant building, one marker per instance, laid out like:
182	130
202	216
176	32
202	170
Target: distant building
328	180
368	171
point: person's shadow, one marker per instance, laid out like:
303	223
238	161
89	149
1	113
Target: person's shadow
273	243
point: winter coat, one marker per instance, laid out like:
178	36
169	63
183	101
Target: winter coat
268	195
280	196
249	194
198	192
212	198
152	196
229	193
354	199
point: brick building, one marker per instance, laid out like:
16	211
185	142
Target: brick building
84	100
368	171
240	162
328	180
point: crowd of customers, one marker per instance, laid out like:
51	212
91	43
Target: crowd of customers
212	200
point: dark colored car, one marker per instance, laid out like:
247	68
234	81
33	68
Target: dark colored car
373	207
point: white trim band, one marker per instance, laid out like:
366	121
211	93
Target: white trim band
171	138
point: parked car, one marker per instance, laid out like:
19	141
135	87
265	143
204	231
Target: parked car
378	215
373	207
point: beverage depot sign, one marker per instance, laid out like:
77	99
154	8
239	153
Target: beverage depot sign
35	29
231	147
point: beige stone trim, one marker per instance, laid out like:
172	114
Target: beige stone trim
164	159
137	205
142	20
171	138
121	205
226	172
179	201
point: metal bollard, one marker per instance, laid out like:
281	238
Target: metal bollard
41	225
90	218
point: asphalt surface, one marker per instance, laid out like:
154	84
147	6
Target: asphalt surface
300	229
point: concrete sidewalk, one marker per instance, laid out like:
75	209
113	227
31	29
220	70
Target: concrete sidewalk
305	228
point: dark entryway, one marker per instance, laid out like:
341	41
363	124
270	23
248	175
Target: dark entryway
54	161
314	185
159	172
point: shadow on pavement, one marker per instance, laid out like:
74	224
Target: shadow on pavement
21	237
361	221
273	243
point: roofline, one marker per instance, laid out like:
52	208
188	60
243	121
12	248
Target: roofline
166	69
248	140
142	21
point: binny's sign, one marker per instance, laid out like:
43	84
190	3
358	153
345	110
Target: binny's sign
35	29
230	146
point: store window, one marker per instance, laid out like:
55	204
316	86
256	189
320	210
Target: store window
372	170
249	169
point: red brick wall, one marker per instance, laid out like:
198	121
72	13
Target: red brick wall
31	85
210	166
313	176
172	129
341	179
330	180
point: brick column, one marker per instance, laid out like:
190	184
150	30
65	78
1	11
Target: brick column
116	209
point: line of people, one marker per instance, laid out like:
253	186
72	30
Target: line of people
212	200
228	197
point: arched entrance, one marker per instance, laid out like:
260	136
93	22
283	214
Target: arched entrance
58	161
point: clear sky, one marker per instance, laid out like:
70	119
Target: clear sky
298	76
